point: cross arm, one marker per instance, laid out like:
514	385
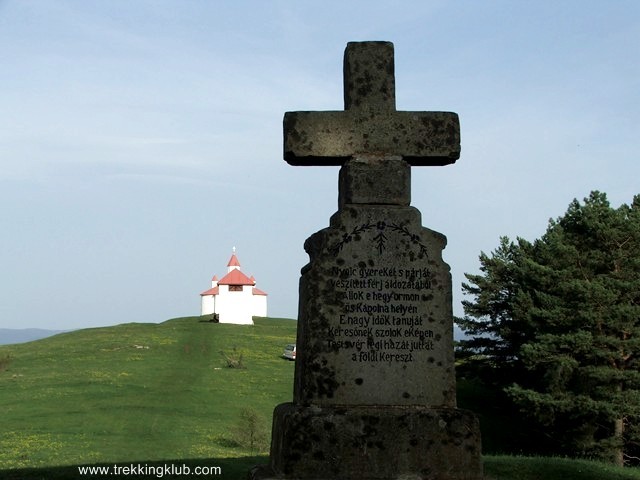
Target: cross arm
332	137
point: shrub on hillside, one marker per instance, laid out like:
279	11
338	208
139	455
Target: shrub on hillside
250	430
234	360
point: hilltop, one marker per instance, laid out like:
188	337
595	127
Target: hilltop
139	391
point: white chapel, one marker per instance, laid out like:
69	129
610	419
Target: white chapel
234	298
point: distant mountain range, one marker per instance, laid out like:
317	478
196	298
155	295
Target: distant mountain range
10	335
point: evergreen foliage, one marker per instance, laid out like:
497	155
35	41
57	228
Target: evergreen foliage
556	323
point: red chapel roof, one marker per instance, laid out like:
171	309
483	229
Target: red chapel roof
235	277
211	291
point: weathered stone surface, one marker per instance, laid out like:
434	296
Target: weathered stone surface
375	181
374	443
370	124
369	76
375	321
330	138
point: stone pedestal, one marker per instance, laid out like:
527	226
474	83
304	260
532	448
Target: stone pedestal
373	443
374	391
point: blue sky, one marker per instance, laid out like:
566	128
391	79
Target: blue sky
141	141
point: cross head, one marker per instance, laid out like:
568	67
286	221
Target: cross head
370	126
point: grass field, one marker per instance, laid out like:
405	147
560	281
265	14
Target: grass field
152	394
139	391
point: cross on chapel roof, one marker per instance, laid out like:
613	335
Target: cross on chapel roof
370	125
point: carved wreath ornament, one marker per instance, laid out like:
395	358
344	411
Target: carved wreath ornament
380	239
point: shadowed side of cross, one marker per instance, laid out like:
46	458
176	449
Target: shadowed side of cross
370	126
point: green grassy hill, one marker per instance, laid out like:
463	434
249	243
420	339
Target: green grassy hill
162	393
139	391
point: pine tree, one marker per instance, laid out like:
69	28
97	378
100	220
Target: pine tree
563	319
493	322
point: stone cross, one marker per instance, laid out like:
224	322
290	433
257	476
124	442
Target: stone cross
374	393
370	125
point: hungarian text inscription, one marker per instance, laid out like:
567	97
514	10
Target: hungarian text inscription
383	316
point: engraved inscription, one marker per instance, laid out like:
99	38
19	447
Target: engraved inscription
380	319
